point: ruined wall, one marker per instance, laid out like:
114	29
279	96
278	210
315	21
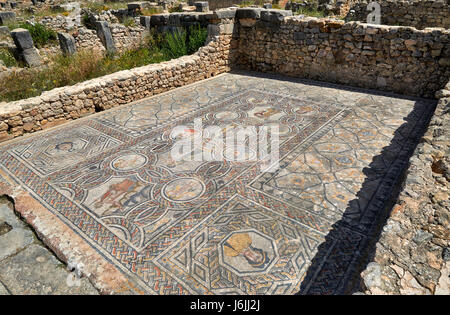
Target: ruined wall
127	37
412	255
67	103
59	23
400	59
87	39
417	13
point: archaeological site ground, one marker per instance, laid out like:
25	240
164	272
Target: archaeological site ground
225	147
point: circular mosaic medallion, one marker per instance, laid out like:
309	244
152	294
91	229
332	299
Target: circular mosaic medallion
187	133
128	162
226	115
183	189
239	153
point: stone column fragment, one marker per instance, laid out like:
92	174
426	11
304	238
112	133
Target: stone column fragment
6	16
25	47
67	44
104	33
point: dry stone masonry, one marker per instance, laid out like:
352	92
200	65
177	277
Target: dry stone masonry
127	37
416	13
393	58
87	39
6	16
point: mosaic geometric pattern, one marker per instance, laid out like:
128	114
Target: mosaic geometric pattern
225	227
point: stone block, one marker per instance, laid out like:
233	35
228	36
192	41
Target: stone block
104	33
274	16
175	19
6	16
14	236
224	14
3	290
34	271
31	57
67	44
22	39
248	13
134	8
4	30
145	21
201	6
299	36
159	19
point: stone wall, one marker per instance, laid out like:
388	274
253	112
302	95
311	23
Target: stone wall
392	58
413	253
87	39
67	103
127	37
417	13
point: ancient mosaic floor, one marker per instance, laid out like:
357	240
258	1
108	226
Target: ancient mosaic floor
226	227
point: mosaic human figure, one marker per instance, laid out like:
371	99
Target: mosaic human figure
116	196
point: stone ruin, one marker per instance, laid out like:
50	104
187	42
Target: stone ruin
412	253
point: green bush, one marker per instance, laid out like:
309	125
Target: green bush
174	44
41	34
197	38
7	58
85	65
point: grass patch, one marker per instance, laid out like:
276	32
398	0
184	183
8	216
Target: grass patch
129	21
251	2
7	58
197	38
39	13
85	65
311	12
150	11
175	9
98	7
